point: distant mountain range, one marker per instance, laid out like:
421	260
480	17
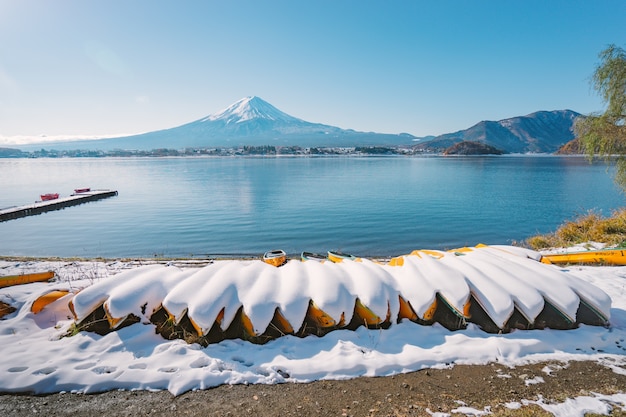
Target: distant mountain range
254	122
540	132
249	121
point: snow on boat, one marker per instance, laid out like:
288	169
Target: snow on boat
497	288
592	257
49	196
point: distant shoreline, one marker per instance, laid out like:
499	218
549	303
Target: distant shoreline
253	151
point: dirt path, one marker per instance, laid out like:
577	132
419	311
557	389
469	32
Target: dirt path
412	394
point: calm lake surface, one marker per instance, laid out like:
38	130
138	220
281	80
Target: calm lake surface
367	206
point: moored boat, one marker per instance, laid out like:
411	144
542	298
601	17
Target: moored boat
81	190
337	256
49	196
310	256
275	257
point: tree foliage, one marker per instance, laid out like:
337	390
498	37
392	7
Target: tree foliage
604	134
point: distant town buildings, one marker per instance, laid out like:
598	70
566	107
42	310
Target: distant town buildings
238	151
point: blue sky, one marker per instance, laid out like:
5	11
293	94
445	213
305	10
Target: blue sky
75	67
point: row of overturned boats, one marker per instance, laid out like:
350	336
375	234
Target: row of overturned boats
499	289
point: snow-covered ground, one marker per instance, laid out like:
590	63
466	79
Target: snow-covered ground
37	358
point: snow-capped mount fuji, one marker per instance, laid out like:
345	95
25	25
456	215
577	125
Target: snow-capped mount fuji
250	108
250	121
253	118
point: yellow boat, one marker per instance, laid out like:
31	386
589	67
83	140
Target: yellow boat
594	257
337	256
364	315
275	257
319	317
279	326
46	299
10	280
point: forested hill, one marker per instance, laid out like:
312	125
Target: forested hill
540	132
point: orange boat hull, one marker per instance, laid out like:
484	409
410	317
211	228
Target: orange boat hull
25	279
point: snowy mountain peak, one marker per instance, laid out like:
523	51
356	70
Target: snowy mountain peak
250	121
250	108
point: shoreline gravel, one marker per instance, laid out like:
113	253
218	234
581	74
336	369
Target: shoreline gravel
493	388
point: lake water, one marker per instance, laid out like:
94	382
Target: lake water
368	206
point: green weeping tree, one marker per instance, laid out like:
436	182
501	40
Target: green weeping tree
604	134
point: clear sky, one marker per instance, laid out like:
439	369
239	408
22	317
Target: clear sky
76	67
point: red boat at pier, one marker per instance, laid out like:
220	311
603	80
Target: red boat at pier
49	196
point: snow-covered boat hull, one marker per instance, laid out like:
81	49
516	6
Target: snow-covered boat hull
499	288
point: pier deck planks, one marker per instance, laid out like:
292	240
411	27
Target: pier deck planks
39	207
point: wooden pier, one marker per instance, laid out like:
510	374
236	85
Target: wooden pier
39	207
